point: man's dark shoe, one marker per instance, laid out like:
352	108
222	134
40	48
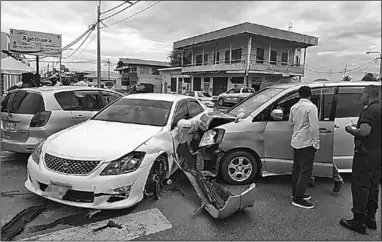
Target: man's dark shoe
370	219
306	197
356	224
302	203
337	186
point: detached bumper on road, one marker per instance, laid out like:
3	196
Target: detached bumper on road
87	191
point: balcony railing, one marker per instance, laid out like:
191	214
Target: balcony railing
240	65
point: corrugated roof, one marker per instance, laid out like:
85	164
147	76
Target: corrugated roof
104	75
130	61
250	28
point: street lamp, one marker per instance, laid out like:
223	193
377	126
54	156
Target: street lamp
380	59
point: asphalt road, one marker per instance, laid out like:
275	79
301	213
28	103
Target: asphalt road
272	217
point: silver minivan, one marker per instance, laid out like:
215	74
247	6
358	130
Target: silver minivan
258	142
29	115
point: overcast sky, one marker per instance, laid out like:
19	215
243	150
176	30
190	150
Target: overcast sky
346	30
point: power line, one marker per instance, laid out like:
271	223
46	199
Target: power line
114	8
79	45
132	15
131	4
91	27
85	47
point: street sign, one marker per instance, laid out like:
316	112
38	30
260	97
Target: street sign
35	43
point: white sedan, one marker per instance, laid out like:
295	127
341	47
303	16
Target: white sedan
113	159
204	97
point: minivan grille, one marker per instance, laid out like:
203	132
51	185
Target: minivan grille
73	167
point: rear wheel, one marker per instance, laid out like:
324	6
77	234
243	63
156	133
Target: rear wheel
156	177
239	168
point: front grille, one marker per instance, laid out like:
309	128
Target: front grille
79	196
72	167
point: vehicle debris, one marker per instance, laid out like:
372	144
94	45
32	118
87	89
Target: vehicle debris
110	224
16	225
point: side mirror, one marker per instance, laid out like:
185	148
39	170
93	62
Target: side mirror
239	116
277	114
184	123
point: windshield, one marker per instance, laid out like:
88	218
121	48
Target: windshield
254	101
136	111
203	94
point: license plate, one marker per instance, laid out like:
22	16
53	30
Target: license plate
9	126
56	190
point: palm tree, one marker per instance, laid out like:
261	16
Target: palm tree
346	79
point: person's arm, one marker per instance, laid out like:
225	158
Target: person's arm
366	122
314	126
290	121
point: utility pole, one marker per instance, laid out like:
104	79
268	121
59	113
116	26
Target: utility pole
108	69
98	45
345	70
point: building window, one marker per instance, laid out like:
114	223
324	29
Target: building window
227	52
216	57
236	56
205	61
273	59
199	60
259	55
284	59
154	71
133	69
237	80
144	70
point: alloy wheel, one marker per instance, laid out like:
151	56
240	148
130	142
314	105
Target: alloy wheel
240	168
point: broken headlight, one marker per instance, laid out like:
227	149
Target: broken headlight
125	164
212	136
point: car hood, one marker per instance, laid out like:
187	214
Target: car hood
218	117
99	140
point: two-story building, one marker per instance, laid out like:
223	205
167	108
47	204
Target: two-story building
135	71
242	55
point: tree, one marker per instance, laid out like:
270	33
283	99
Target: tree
346	79
176	57
369	77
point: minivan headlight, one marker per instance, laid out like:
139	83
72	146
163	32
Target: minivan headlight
36	154
125	164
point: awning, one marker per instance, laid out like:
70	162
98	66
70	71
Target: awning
10	65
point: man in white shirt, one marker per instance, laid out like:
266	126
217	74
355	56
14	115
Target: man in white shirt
305	141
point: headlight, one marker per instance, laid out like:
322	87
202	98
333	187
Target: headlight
212	137
37	151
126	164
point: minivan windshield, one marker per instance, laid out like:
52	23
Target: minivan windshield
136	111
255	101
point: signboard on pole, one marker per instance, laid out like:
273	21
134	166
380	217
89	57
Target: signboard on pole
35	43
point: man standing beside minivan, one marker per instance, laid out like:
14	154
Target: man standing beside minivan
366	169
305	141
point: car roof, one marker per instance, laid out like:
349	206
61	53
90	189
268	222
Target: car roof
50	89
157	96
325	84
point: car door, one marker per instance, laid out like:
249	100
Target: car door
348	108
86	104
278	152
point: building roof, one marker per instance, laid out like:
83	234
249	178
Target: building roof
249	28
104	75
129	61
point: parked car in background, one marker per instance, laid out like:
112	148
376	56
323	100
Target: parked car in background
235	95
29	115
110	85
204	97
257	142
113	159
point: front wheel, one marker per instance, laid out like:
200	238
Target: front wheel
239	168
221	102
156	177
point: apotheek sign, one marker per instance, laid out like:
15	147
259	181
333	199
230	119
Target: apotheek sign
35	43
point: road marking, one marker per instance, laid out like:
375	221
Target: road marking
133	226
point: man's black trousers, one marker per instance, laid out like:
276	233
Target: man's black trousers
302	170
366	173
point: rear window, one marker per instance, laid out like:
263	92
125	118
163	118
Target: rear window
23	102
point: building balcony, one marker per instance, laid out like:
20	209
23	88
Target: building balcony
239	66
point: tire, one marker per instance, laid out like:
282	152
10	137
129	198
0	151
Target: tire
221	102
231	163
149	187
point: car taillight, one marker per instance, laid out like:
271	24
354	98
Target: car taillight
40	119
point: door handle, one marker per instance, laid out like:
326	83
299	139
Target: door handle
324	131
336	126
80	116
